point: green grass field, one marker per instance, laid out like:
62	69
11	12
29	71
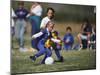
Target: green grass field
73	60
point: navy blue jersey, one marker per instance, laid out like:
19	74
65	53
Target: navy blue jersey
46	35
21	13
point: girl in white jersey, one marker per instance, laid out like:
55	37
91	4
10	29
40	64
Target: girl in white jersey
49	17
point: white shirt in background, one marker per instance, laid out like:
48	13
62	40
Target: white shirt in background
12	15
44	21
37	10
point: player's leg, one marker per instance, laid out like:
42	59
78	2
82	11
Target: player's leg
47	54
59	57
42	50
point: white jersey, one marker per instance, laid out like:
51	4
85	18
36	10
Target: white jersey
37	10
44	21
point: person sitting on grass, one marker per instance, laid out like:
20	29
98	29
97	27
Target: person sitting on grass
68	39
44	35
84	35
92	42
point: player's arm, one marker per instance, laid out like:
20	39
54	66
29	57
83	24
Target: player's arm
37	35
56	40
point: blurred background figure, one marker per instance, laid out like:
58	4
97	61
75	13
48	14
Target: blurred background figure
35	19
68	39
84	36
92	42
12	23
49	17
21	14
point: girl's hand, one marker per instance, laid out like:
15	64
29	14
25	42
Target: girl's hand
33	37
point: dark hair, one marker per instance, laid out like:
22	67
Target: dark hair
50	9
86	20
68	28
21	3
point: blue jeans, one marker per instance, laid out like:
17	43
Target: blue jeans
19	31
35	22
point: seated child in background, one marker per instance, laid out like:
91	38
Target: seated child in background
92	42
68	39
44	35
56	46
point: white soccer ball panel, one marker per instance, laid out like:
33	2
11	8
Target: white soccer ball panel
49	61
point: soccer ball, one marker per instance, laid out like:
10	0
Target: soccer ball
49	61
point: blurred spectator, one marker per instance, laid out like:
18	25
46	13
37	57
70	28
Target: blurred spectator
35	18
12	23
68	39
84	35
21	14
92	42
49	17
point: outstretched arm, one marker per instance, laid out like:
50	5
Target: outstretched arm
56	40
37	35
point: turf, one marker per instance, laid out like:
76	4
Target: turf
73	60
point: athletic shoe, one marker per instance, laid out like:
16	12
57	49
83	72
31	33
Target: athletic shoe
33	58
21	49
60	60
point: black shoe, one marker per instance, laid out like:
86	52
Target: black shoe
33	58
42	62
60	60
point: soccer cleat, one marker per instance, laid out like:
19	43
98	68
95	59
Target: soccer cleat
33	58
60	60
